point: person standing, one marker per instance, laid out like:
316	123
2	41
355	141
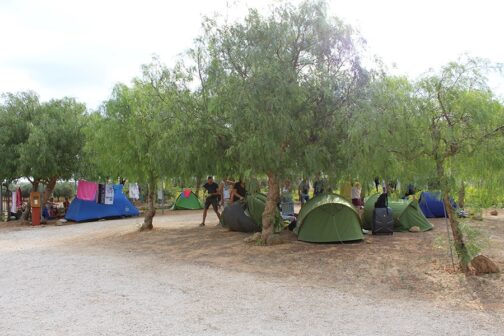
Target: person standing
318	186
212	199
377	183
239	192
303	190
225	191
356	195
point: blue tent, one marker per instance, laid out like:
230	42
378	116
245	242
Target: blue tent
83	211
432	205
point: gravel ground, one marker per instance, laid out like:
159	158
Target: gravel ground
51	286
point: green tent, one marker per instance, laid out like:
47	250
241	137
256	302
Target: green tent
407	213
255	208
187	202
328	218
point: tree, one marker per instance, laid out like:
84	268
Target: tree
285	83
16	113
431	128
41	141
132	135
53	148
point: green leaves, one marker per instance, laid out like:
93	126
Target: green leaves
283	83
40	140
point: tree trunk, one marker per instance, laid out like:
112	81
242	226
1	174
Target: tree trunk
268	216
51	184
462	252
198	185
460	248
26	212
151	205
461	196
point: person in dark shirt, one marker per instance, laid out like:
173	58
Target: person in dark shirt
318	186
212	199
239	192
303	190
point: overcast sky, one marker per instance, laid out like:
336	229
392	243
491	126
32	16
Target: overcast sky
82	48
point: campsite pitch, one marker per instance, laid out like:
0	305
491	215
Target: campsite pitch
105	278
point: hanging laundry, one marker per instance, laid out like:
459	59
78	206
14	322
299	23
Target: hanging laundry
134	192
109	194
14	203
86	190
19	198
100	195
160	195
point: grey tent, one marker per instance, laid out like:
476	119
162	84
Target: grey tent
234	218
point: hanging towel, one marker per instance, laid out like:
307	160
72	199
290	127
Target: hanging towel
14	203
100	196
134	192
109	194
86	190
19	198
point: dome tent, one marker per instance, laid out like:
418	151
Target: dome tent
84	211
234	218
187	200
247	217
406	214
432	204
328	218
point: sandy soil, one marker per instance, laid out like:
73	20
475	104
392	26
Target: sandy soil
104	278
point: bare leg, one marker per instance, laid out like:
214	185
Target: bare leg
216	210
204	217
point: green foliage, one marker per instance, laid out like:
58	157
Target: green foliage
64	189
284	83
55	141
40	141
132	135
17	112
448	120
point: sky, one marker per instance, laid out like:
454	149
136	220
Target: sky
82	49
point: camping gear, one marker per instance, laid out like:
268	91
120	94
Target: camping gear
86	191
234	218
134	191
247	216
187	201
381	201
432	204
406	214
255	207
19	198
82	211
383	221
109	194
328	218
13	202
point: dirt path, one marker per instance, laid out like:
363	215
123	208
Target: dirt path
97	279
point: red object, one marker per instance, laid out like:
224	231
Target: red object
187	193
36	216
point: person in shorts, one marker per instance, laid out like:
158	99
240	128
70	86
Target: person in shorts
212	199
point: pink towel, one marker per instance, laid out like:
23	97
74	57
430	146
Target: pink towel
187	193
86	191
